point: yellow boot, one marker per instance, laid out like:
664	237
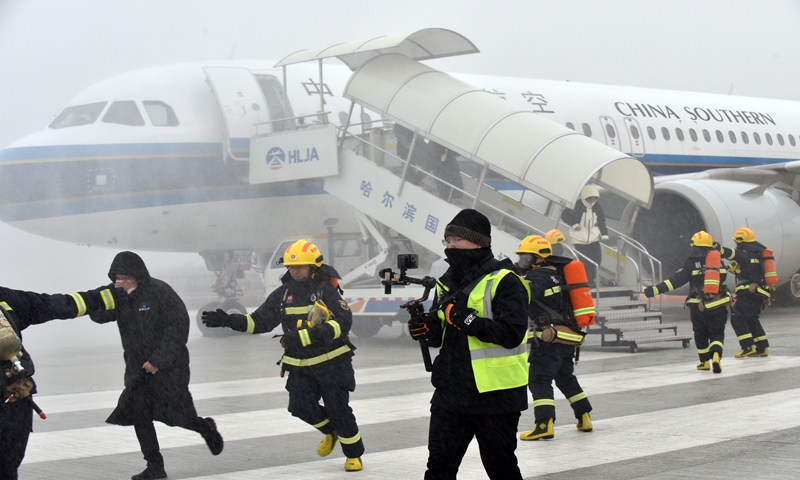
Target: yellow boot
703	366
353	464
325	447
716	366
542	430
585	423
746	352
762	353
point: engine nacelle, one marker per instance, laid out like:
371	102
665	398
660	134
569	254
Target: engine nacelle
686	205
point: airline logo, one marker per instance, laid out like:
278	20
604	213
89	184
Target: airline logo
277	158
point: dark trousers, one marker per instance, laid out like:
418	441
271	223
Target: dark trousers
745	320
146	430
549	362
16	422
595	253
709	330
306	390
450	434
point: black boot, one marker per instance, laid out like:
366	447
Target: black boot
212	437
153	471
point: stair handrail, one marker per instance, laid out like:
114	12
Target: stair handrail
655	264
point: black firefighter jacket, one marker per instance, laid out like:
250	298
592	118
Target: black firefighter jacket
154	327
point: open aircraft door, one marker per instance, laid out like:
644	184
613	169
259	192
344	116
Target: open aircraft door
635	136
242	104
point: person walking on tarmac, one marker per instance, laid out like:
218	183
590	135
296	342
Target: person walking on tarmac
751	293
551	357
18	311
318	354
479	319
154	328
707	300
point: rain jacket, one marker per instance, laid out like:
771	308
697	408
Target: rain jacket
590	218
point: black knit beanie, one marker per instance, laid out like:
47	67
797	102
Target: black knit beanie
470	225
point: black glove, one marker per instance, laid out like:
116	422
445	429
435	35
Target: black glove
216	319
708	297
649	292
461	317
290	339
119	294
103	298
716	246
418	327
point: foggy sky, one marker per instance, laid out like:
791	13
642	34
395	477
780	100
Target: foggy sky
51	49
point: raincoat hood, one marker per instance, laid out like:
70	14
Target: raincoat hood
129	263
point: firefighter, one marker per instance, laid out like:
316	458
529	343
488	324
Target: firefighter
479	319
751	293
550	306
556	239
318	354
18	311
707	300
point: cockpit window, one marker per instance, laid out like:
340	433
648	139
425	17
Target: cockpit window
124	113
161	114
78	115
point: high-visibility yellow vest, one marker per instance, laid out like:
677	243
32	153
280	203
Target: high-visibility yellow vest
494	367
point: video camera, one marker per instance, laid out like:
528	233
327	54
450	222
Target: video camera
415	308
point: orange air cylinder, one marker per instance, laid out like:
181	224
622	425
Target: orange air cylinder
580	295
768	262
711	280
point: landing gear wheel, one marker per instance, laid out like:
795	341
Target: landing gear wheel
686	343
634	348
366	327
229	306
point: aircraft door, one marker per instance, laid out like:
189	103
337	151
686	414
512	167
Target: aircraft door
635	136
242	104
610	133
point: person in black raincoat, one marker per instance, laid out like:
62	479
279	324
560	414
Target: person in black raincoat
479	318
18	311
318	354
154	328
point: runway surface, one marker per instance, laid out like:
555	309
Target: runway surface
655	416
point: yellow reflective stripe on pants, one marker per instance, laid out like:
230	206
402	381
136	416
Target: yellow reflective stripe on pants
350	440
544	402
307	362
744	336
108	299
703	350
577	398
322	423
79	303
716	342
760	339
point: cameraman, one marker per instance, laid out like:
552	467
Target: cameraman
479	319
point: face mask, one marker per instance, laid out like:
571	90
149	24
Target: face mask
130	290
525	261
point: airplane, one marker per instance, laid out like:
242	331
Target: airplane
160	159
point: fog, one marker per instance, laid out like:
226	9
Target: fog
51	50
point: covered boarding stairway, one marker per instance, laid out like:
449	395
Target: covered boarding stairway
518	168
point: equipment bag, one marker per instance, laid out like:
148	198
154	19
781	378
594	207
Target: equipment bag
711	275
768	263
561	334
580	295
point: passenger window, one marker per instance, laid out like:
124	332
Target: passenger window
720	137
706	136
161	114
634	132
732	136
587	130
665	133
651	133
78	115
679	134
744	138
768	137
780	140
791	140
570	126
693	134
124	113
610	131
756	138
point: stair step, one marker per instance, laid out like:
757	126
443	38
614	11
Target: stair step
606	292
639	326
620	302
656	337
606	315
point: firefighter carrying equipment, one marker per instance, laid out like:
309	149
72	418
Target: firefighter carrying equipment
768	264
535	245
555	236
302	252
711	275
580	295
701	239
10	346
318	315
745	235
17	390
560	334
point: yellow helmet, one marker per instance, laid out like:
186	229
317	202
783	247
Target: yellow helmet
302	252
535	244
554	236
745	235
701	239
